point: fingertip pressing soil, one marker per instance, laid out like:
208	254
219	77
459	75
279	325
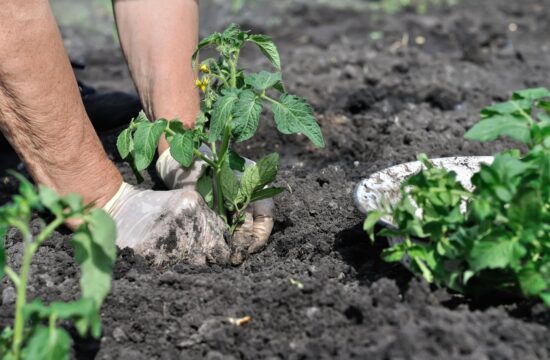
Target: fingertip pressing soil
319	289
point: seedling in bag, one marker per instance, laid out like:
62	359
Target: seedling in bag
35	334
502	241
231	104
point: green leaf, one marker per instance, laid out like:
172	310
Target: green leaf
181	148
265	194
74	202
146	140
48	344
268	48
212	39
511	107
258	175
230	183
246	115
50	199
206	189
499	126
81	308
26	189
531	94
393	254
223	109
125	143
294	115
95	251
267	168
263	80
370	222
491	254
236	162
532	283
103	230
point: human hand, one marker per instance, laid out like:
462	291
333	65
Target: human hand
251	236
168	226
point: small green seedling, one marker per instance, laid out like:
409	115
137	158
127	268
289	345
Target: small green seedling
231	105
502	240
35	334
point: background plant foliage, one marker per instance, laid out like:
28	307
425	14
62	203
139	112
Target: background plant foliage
231	105
502	241
35	334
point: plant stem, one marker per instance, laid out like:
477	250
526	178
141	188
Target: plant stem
270	99
30	250
204	158
219	190
233	68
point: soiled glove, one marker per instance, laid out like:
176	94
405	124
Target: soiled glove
168	226
252	235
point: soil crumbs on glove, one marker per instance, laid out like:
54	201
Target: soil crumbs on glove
380	102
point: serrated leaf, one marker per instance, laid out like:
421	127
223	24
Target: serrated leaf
48	344
223	109
181	148
146	140
212	39
268	48
294	115
206	189
246	115
267	193
125	143
263	80
499	126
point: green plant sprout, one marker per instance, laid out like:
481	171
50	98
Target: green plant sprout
35	334
502	241
231	104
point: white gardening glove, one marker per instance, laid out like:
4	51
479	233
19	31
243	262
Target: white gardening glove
168	226
253	234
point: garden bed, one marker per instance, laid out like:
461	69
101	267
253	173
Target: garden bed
319	290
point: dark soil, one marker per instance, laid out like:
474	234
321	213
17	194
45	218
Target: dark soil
319	290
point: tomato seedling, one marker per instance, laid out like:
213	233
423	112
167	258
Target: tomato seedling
231	104
35	334
502	240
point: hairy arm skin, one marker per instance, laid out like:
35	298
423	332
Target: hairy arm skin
41	112
158	39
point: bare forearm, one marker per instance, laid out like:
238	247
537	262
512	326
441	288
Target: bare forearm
158	39
41	112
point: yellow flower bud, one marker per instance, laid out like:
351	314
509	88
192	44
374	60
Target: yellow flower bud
205	69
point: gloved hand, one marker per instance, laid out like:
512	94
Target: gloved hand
252	235
168	226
